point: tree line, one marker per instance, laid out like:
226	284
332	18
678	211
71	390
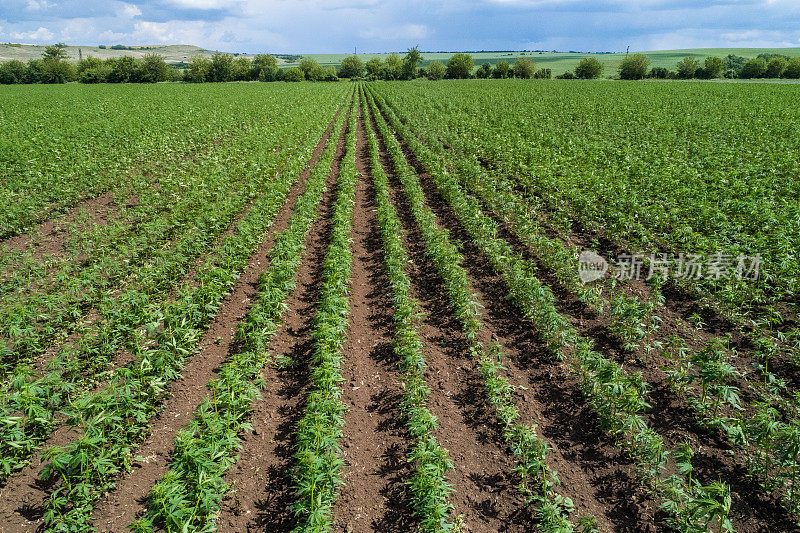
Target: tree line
54	67
636	67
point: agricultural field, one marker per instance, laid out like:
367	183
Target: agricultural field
517	305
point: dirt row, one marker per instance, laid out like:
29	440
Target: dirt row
594	472
24	495
752	509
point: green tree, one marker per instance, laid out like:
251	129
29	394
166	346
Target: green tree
411	63
308	67
634	67
393	69
484	71
221	68
294	74
543	74
687	67
501	70
374	68
152	69
792	69
351	67
264	67
12	72
88	63
121	69
460	66
589	68
524	68
55	52
329	74
198	69
714	66
241	69
754	68
776	66
436	71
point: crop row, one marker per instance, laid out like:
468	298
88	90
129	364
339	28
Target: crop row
538	481
114	419
767	445
188	495
617	397
31	401
428	484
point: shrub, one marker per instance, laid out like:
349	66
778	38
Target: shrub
589	68
92	75
307	66
351	67
293	74
460	66
152	69
57	71
501	70
634	67
792	69
436	70
12	72
484	71
393	70
264	67
568	75
754	68
524	68
714	67
543	74
221	67
687	67
776	67
121	69
198	70
374	68
658	73
241	69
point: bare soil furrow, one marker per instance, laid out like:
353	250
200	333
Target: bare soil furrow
261	484
594	472
485	495
23	511
129	498
375	444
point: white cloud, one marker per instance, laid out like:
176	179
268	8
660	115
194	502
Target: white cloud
405	31
202	4
36	5
131	10
41	34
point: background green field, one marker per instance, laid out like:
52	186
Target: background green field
558	62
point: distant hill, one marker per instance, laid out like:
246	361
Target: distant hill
173	53
558	62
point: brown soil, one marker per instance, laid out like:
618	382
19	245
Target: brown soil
375	443
128	500
50	237
24	510
485	496
669	416
262	493
597	476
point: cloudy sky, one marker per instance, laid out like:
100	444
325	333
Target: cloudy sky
336	26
